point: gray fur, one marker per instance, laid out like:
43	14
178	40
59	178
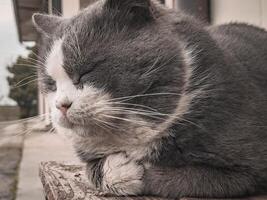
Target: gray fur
212	80
46	24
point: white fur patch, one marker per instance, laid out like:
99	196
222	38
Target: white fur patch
55	60
122	176
66	91
86	102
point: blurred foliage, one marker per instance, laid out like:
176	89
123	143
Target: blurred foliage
23	83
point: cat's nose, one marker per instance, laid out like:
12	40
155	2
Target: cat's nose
63	107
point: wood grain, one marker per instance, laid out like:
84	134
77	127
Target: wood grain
62	181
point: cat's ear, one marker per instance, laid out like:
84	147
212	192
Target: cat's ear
140	10
46	24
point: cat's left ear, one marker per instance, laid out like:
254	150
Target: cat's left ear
140	10
46	24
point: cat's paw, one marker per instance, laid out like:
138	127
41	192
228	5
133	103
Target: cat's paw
94	171
122	176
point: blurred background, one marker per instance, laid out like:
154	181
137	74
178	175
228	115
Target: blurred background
26	135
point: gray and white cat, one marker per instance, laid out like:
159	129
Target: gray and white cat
157	102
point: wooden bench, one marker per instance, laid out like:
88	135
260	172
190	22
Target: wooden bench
63	181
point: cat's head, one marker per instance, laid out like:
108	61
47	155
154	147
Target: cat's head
115	66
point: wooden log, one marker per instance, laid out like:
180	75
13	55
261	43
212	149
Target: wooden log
62	181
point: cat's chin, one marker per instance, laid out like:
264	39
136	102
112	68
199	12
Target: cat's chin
75	127
64	122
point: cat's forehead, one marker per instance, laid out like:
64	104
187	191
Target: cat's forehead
55	59
93	36
63	58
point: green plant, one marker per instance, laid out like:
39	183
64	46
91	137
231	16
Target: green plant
23	83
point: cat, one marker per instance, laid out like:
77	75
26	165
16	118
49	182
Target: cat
157	102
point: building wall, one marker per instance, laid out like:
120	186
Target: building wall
171	3
70	7
250	11
85	3
225	11
197	8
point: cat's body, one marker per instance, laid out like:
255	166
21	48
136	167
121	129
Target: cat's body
158	103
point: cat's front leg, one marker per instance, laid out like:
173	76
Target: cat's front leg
94	171
117	174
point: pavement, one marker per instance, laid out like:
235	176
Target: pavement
10	156
40	147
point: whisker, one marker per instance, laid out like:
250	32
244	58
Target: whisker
105	125
33	67
161	66
137	111
29	130
127	120
135	105
17	86
190	122
22	120
141	114
38	56
34	61
101	125
153	115
144	95
77	43
24	124
147	72
25	79
28	65
112	126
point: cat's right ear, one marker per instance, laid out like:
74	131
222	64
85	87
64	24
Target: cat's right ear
46	24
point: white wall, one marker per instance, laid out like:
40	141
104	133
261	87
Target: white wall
250	11
70	7
169	3
264	13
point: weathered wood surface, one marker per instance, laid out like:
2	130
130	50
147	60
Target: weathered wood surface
68	182
63	181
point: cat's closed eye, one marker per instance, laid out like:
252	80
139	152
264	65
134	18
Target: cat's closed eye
83	77
79	80
88	69
50	84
